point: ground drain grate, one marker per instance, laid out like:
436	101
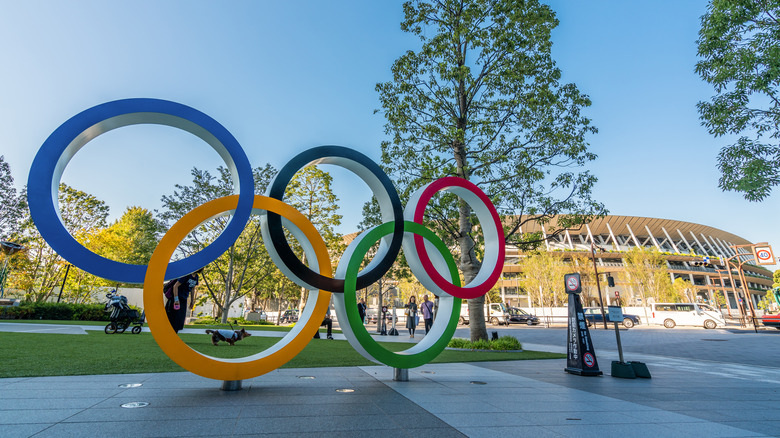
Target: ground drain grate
715	340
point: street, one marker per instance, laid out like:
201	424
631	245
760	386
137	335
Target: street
729	345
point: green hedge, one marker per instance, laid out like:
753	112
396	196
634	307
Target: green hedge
56	311
502	343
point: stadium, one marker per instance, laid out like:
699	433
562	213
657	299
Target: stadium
685	246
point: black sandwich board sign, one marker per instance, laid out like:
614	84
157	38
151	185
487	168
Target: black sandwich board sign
581	356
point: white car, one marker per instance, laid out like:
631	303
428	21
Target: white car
674	314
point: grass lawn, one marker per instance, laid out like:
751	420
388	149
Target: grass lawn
38	354
275	328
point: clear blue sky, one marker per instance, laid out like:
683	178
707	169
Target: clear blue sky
286	76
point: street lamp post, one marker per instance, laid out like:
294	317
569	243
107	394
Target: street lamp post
741	273
598	285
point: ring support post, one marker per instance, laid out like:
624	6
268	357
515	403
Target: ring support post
231	385
401	374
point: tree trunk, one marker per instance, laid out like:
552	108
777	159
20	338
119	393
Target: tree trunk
228	286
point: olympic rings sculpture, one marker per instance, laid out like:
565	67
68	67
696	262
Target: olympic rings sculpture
428	257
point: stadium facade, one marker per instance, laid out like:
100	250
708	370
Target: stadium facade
684	245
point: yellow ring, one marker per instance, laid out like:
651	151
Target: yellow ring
246	367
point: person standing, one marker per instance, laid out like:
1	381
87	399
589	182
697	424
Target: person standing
362	310
327	322
411	315
176	308
426	307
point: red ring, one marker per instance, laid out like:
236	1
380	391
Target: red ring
460	292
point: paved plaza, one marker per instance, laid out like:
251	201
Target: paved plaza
687	397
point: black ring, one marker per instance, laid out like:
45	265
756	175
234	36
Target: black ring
321	154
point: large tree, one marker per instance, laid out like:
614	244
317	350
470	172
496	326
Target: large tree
482	100
310	192
739	43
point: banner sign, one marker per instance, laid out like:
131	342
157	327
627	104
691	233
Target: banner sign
581	357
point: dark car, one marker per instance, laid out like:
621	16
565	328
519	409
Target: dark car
289	316
593	316
520	316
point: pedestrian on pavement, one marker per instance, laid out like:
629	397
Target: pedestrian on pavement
328	323
411	315
426	307
362	310
176	307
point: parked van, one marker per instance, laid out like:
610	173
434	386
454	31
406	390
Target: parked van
495	313
672	314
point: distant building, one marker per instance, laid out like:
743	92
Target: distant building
682	244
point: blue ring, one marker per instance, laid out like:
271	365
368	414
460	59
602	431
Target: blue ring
65	141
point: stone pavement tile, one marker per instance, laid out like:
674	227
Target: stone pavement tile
573	406
508	431
140	429
660	416
334	410
579	418
712	430
12	380
32	404
58	393
312	424
171	401
501	419
753	414
21	430
618	430
36	416
153	413
441	432
769	428
454	407
717	416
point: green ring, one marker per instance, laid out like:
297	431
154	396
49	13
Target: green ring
393	359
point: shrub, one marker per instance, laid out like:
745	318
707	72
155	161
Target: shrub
506	343
235	321
459	343
56	311
502	343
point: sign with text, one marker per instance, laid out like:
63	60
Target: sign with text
764	255
581	357
615	314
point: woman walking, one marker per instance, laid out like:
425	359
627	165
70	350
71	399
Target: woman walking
411	315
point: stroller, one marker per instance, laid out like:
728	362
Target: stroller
122	316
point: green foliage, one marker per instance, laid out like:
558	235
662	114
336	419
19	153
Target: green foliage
55	311
739	44
776	279
506	343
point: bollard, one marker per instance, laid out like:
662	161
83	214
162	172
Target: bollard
231	385
400	374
